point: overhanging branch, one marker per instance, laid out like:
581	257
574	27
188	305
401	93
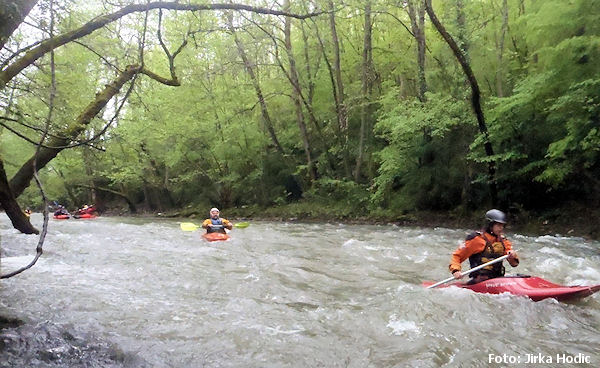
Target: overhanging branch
52	43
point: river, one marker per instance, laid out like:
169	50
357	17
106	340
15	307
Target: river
140	292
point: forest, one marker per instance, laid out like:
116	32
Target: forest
376	109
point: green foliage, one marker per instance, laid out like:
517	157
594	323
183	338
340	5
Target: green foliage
575	157
424	164
541	132
350	195
206	143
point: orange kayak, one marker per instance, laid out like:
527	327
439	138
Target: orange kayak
215	236
84	216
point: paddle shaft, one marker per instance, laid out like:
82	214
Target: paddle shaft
469	271
188	226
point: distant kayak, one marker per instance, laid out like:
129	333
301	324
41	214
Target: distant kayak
84	216
535	288
215	236
62	217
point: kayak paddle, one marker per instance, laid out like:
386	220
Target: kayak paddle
188	226
469	271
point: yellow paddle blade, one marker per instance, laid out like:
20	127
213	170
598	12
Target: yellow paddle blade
188	226
242	225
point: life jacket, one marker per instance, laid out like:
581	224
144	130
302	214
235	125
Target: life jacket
218	230
489	253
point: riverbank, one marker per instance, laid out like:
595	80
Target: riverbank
572	220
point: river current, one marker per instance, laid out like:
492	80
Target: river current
140	292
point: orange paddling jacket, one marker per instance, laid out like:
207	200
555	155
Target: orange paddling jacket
482	247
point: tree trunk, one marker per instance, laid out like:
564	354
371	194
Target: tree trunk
259	94
297	99
342	113
416	12
12	14
149	196
11	206
366	81
417	21
475	98
461	25
161	196
500	51
91	197
309	75
23	177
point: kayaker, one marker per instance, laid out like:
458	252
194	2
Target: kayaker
215	224
483	246
61	211
82	210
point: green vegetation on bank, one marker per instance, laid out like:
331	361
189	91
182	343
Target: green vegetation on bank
571	220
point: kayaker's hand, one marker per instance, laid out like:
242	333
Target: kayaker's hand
457	274
513	258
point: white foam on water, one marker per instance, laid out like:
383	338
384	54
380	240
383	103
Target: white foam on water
14	263
547	239
549	265
559	324
557	238
277	330
589	273
402	327
554	251
584	276
416	259
349	242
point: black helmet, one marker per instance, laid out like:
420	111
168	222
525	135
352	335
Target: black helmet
496	216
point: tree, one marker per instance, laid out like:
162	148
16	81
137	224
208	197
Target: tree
475	97
340	104
11	16
416	12
255	82
367	65
293	74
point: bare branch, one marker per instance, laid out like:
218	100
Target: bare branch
169	82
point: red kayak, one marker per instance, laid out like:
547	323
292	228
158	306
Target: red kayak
62	217
215	236
535	288
84	216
